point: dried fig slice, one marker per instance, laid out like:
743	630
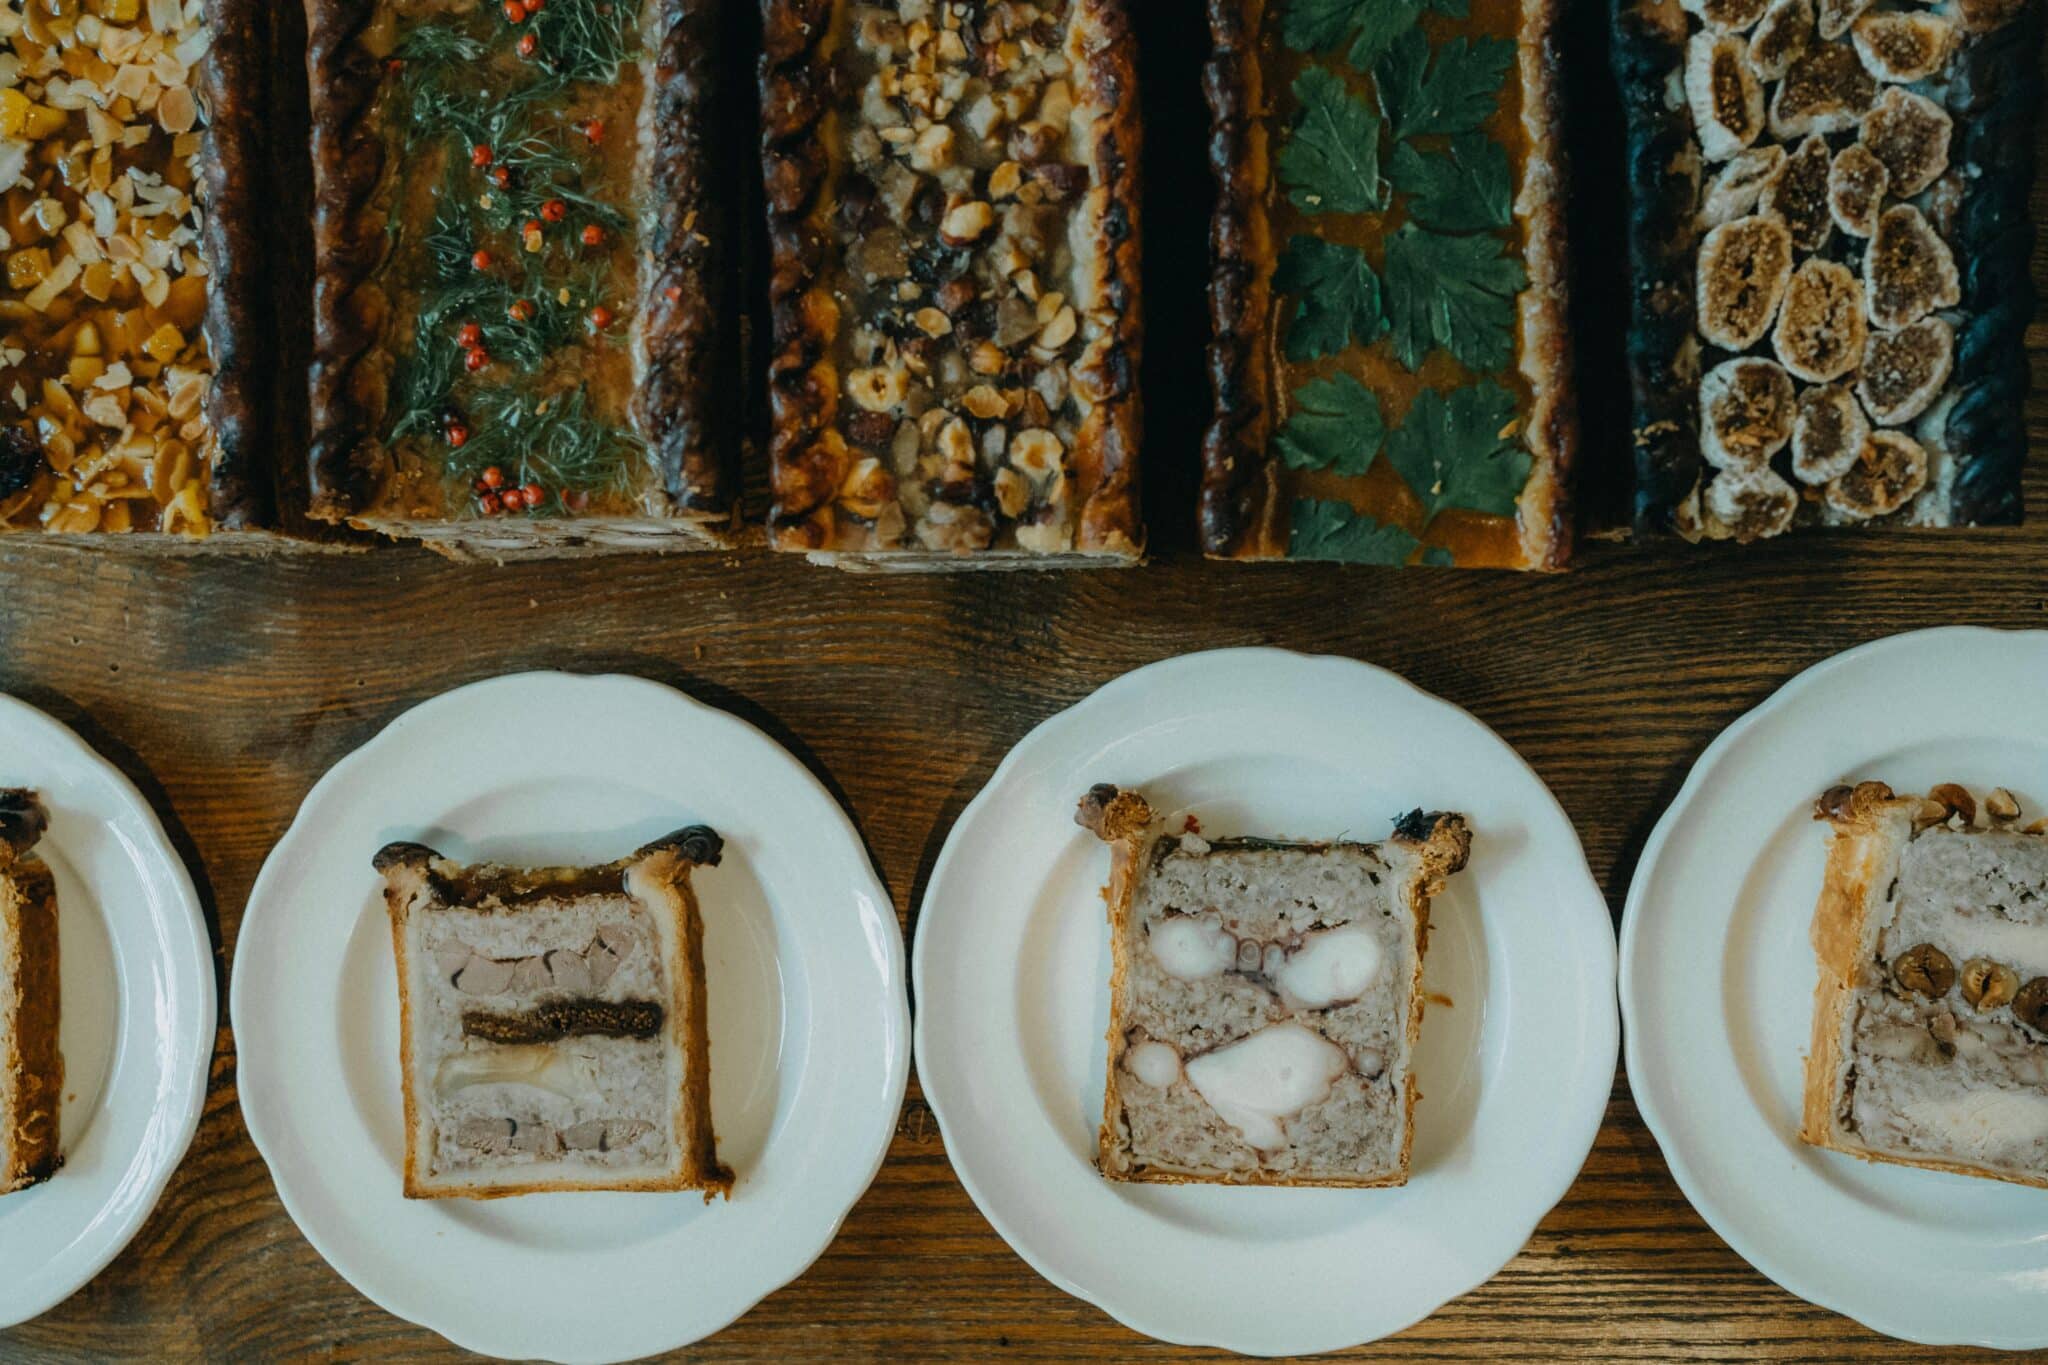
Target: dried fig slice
1888	471
1734	190
1828	432
1924	970
1903	48
1780	38
1745	413
1726	16
1799	194
1726	100
1908	271
1825	90
1820	330
1743	266
1903	371
1837	15
1748	505
1857	182
1909	133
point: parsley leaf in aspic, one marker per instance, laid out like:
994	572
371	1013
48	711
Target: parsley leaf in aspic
1319	25
1453	292
1331	530
1335	425
1454	95
1460	450
1338	297
1331	163
1466	187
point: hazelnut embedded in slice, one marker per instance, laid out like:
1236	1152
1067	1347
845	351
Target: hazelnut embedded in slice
1820	329
1988	984
1744	267
2030	1004
1857	182
1745	413
1825	90
1888	471
1735	188
1726	100
1924	970
1909	133
1901	47
1748	505
1781	37
1955	798
1903	371
1828	432
1908	271
1799	194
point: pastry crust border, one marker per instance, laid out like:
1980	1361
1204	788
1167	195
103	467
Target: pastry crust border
799	118
657	877
677	409
1243	515
1869	828
1126	827
1993	130
28	901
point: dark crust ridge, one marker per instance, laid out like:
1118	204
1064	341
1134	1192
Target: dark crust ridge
800	87
680	411
492	886
1992	96
23	821
1242	512
555	1020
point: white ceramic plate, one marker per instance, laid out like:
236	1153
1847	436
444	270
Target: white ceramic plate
137	1018
1012	980
1717	978
808	1021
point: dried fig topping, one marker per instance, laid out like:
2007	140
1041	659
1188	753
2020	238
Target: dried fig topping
1988	984
1955	799
1781	38
1743	269
1889	470
1856	188
1726	16
1799	194
1903	47
1726	100
1828	432
1909	133
1903	371
1908	272
2030	1004
1924	970
1733	191
1837	15
1748	504
2002	806
1820	332
1825	90
1745	413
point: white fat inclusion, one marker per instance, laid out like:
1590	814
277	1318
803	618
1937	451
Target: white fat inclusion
1265	1077
1155	1063
1192	947
1330	967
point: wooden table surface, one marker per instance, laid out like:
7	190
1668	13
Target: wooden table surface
224	688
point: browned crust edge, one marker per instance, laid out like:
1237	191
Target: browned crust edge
1123	819
801	108
1866	823
28	898
677	409
1242	514
662	868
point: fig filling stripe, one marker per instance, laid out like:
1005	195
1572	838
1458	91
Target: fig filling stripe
559	1019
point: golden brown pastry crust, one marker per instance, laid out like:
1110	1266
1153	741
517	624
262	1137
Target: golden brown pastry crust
661	868
28	900
1244	512
804	119
1869	827
1123	820
681	407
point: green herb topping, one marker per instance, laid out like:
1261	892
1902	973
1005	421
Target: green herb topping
1326	529
1453	292
1335	425
1461	449
1331	164
1338	297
